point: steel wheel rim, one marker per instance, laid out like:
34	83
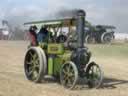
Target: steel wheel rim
95	76
69	75
107	39
32	65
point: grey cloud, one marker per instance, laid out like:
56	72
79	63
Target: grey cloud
116	13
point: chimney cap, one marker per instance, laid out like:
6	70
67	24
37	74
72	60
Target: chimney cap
81	12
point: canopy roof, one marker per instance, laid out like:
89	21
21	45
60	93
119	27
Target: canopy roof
65	22
106	26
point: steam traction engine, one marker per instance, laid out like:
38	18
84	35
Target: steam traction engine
67	62
100	34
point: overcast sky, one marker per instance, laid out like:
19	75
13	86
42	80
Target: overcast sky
112	12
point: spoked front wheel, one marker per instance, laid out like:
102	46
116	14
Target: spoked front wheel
94	75
69	75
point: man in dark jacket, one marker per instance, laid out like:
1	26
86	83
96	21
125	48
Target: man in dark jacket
43	35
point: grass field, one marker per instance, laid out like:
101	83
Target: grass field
112	58
113	50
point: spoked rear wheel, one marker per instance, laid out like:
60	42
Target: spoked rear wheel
94	75
107	38
34	65
69	75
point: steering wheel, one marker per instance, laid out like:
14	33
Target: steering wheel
61	38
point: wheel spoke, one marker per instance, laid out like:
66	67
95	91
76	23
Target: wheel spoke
31	55
72	73
30	72
36	65
67	68
34	56
70	67
97	72
92	69
64	71
65	77
69	81
35	74
93	73
29	62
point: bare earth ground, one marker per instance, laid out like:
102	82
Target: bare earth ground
14	83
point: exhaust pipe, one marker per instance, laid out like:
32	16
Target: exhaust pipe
80	28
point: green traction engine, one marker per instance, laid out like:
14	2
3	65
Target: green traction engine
67	62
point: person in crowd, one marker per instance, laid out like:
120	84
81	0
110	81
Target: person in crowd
33	35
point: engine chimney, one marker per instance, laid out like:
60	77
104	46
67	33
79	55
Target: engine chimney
80	28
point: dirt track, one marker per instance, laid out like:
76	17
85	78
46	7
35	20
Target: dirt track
14	83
